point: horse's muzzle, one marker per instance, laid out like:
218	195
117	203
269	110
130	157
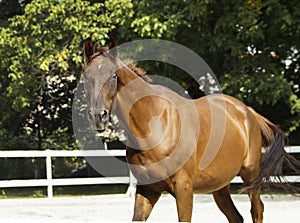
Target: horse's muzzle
98	121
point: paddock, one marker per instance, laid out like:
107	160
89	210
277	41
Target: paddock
119	208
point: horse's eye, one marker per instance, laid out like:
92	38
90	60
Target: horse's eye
115	75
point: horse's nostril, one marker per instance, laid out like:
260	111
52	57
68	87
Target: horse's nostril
104	115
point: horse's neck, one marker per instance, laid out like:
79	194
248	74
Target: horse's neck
131	88
125	76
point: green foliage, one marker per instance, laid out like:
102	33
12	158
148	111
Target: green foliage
154	19
251	45
42	62
3	194
247	43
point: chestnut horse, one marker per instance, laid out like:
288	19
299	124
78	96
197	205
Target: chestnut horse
172	140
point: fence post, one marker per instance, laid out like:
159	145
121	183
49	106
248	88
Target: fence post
132	185
49	173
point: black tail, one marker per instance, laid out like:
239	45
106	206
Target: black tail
274	159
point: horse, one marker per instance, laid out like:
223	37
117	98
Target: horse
172	140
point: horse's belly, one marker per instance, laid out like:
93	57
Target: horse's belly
221	170
204	183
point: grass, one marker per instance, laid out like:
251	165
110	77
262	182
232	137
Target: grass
40	192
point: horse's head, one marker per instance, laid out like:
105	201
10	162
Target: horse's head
100	83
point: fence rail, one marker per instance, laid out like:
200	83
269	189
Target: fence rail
50	183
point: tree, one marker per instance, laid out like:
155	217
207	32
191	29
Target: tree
10	8
42	63
252	46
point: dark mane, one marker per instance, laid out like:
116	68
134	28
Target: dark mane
137	70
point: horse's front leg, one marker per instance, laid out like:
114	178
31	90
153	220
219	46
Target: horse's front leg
183	193
145	199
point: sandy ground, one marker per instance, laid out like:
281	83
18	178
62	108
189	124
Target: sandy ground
119	208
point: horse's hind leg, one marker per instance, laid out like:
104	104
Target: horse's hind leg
223	199
257	206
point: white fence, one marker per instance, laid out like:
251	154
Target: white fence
49	182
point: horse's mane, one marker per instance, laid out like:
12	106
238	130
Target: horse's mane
137	70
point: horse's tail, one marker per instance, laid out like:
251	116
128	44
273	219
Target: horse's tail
274	158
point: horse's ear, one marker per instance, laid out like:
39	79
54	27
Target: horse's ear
88	50
113	47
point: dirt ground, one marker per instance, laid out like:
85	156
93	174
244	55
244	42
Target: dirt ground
119	208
